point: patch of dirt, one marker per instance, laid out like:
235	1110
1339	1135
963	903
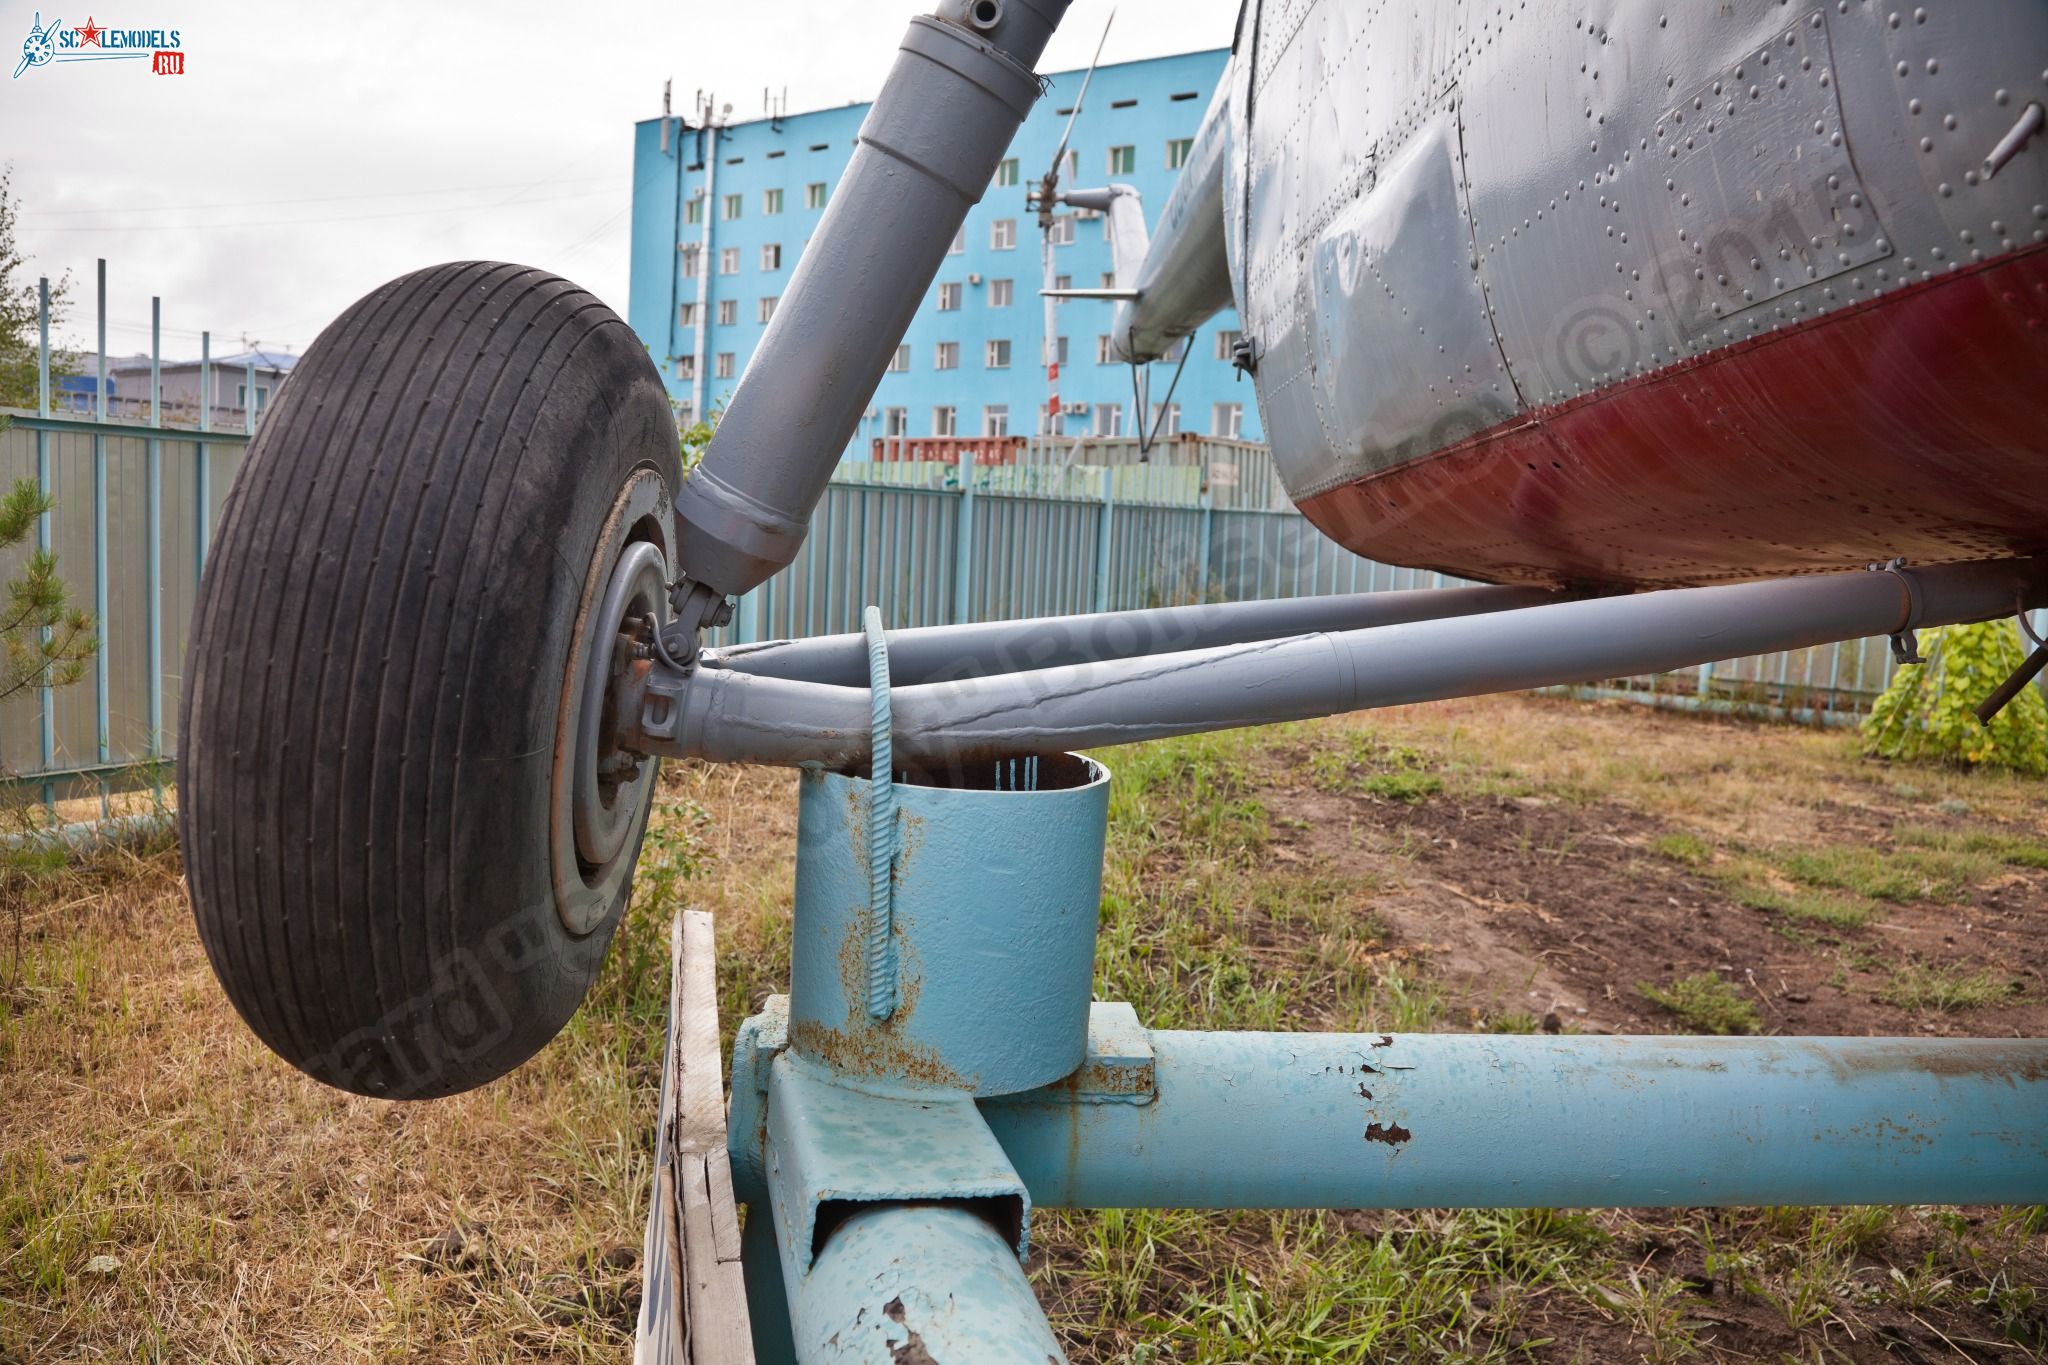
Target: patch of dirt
1534	904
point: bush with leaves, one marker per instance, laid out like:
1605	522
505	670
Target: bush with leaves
1929	711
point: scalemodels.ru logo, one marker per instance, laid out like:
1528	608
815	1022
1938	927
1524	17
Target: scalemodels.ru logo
91	42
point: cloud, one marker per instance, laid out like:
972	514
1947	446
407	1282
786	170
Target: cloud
311	153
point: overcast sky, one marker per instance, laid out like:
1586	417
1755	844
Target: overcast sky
311	152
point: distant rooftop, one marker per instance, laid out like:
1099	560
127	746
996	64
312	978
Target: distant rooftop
1052	77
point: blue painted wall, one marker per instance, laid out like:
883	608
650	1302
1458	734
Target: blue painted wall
1141	105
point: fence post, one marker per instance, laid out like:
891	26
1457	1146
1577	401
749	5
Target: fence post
203	480
152	538
963	542
1706	681
104	748
46	700
1103	541
1202	545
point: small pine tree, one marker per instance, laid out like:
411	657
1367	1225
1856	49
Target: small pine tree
1929	711
44	640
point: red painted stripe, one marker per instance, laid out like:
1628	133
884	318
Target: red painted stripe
1915	423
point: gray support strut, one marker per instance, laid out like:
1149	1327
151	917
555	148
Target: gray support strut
946	653
725	716
961	86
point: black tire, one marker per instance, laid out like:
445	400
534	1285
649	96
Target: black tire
381	701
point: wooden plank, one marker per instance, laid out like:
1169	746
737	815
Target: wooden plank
720	1333
700	1115
725	1221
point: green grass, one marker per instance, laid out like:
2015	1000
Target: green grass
1918	986
2015	850
1680	847
1910	875
1844	910
1705	1003
1363	764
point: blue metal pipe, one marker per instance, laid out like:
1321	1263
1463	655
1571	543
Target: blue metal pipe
918	1282
1326	1120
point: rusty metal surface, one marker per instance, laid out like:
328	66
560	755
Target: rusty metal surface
1408	1121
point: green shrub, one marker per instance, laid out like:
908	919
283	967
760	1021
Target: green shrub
1928	712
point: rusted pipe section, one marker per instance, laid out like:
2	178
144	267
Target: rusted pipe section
726	716
1344	1121
929	654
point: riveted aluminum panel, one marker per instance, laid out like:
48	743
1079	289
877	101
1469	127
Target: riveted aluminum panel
1404	360
1733	150
1857	169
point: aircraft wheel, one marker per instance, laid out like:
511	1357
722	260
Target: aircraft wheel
406	835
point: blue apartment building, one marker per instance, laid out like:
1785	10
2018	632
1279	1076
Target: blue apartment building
721	215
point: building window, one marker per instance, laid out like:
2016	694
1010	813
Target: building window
690	261
729	260
1002	234
1109	279
1227	419
1073	164
900	362
895	421
1062	230
766	310
943	421
1006	172
686	316
814	195
693	211
947	356
721	367
1226	343
1176	351
998	353
1166	419
686	414
959	247
1000	293
1048	424
1123	160
771	256
1177	150
686	367
1056	354
733	204
1103	355
1109	419
995	420
1062	282
728	312
949	296
771	201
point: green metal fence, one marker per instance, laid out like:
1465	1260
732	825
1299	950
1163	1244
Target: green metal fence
928	542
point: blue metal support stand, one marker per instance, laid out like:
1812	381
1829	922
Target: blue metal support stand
937	1070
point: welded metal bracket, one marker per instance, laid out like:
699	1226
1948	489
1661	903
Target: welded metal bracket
833	1149
1119	1068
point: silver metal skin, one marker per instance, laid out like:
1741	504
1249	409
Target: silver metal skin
928	654
1441	216
929	147
725	716
1183	279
